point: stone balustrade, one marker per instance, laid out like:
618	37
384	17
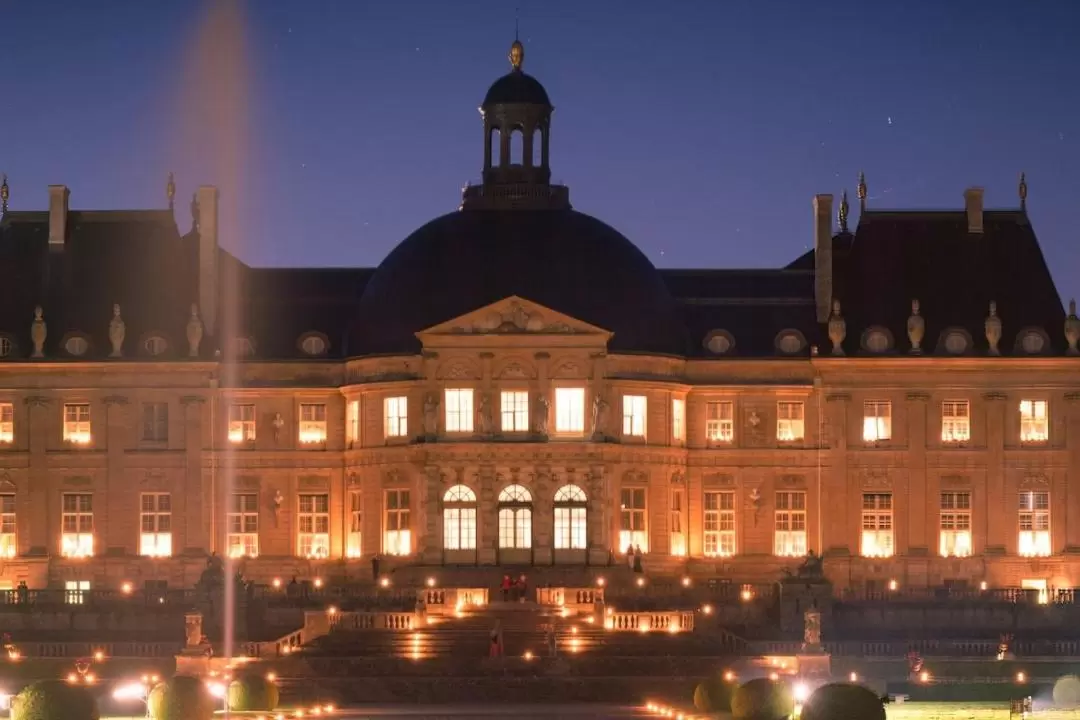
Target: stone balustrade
898	649
76	650
443	601
673	622
575	600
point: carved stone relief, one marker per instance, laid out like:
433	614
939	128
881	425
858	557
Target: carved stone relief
876	479
1034	480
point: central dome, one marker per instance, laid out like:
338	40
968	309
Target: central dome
563	259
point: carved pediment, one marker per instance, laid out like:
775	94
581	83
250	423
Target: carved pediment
513	315
638	477
1034	481
876	479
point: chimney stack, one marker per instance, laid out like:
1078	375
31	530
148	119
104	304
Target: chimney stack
58	212
207	199
823	256
973	204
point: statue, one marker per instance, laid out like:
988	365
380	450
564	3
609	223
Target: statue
812	569
38	332
599	416
992	326
812	629
279	500
483	414
431	415
543	406
117	330
213	577
837	329
916	328
193	629
194	332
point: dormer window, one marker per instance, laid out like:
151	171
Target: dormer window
1033	342
313	344
7	346
719	342
790	342
76	345
155	345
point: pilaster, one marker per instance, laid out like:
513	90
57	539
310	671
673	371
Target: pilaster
599	488
1072	473
39	531
118	497
919	508
430	541
191	497
487	529
837	515
990	523
543	523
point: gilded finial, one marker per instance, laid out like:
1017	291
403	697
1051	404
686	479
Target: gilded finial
1023	192
842	215
4	193
517	55
861	191
170	189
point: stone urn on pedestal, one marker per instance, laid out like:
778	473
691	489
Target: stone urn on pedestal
194	332
1072	330
837	329
992	326
117	331
38	332
916	328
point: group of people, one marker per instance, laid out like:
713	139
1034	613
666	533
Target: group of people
633	557
516	590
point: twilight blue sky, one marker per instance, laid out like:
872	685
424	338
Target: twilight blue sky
699	128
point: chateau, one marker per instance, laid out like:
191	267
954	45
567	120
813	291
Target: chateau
516	384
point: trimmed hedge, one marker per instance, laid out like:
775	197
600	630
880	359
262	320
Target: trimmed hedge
843	701
762	699
713	695
1067	692
252	693
181	698
54	700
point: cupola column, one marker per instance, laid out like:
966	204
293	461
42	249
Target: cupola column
504	145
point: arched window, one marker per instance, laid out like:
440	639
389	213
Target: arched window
459	519
515	518
517	147
571	525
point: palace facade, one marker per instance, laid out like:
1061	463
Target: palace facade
517	384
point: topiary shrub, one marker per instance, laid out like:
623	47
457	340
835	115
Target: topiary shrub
54	700
1067	692
762	699
843	701
252	693
713	695
181	698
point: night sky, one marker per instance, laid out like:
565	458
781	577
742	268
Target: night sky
701	129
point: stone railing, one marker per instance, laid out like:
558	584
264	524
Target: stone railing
75	650
896	650
375	621
30	600
573	599
650	621
441	601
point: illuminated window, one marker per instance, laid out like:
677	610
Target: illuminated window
678	420
720	421
8	546
678	534
570	410
352	423
7	423
1034	524
632	530
77	423
877	421
396	414
789	421
955	534
312	430
459	519
515	518
459	410
155	525
355	539
155	422
243	525
515	411
75	591
1034	421
397	538
571	525
877	525
633	420
313	526
77	523
719	523
790	537
241	423
955	421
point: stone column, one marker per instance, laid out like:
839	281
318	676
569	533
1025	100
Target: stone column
1072	473
989	523
111	530
190	500
839	512
38	530
919	507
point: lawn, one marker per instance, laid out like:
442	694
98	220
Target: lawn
967	711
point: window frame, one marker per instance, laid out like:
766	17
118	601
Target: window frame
242	429
79	541
7	423
787	541
243	513
513	411
790	429
155	541
955	428
1034	429
396	416
311	430
632	516
155	421
354	536
397	540
877	533
9	526
677	536
78	423
313	543
570	419
461	419
571	518
720	429
719	540
877	427
1039	540
955	523
459	515
635	416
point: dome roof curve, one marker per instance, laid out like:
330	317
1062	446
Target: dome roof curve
516	88
562	259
